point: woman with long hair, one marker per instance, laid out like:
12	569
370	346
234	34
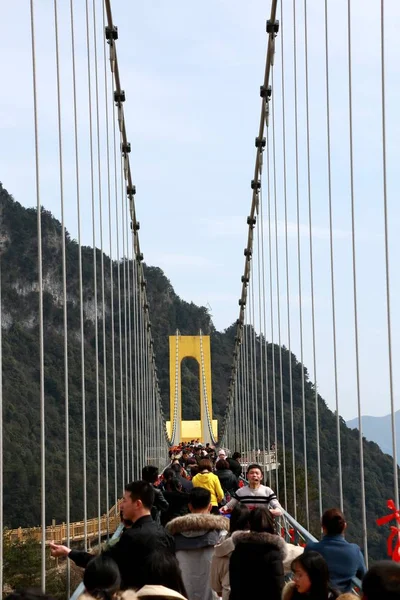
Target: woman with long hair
310	579
239	521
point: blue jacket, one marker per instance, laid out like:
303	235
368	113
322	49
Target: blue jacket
344	560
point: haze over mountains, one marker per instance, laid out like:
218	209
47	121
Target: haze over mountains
379	430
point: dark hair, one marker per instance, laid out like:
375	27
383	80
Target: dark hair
317	570
236	455
141	490
261	520
162	568
382	581
150	473
239	520
222	464
199	498
171	483
28	594
176	467
333	521
254	466
205	463
194	469
101	577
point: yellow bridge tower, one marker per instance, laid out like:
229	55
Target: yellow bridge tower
197	347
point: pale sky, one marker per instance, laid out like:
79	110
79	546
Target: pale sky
191	72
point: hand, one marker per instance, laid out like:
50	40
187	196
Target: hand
276	512
57	550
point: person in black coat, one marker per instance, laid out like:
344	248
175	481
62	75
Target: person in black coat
228	480
160	504
234	464
136	543
257	559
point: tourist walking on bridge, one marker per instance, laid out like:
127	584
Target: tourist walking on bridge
136	542
255	494
344	560
206	479
195	536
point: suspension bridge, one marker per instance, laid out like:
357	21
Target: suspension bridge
317	278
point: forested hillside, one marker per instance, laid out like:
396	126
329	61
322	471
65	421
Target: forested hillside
18	239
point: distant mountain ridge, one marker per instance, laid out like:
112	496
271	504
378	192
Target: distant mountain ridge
379	430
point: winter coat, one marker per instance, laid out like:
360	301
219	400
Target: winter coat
159	590
344	560
132	551
178	506
195	536
220	563
257	555
228	480
210	482
290	593
160	505
235	466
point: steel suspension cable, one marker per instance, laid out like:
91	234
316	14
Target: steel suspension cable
41	323
94	271
128	247
103	312
314	351
110	241
124	278
277	289
261	303
64	283
287	268
296	128
355	305
264	293
1	442
254	351
332	261
387	267
81	314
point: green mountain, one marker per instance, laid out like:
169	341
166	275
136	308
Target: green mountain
18	241
379	430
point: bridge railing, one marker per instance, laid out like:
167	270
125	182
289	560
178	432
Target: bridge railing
59	533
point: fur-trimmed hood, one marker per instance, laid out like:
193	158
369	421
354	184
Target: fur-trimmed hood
261	539
199	524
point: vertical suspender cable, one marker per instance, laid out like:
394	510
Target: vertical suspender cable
353	239
287	269
332	262
271	317
130	420
103	301
278	293
81	317
64	278
312	264
265	296
41	325
125	261
299	269
119	265
1	445
110	241
253	391
254	351
387	270
261	303
135	353
96	334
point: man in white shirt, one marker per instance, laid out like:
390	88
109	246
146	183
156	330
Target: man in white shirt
254	494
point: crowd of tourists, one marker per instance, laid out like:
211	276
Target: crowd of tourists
198	531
